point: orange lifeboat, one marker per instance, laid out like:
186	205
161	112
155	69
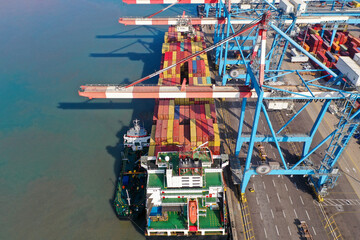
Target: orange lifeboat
192	212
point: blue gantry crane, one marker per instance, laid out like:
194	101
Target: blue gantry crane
246	61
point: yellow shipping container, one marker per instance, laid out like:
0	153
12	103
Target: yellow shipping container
195	81
151	151
171	109
170	130
216	135
152	136
193	132
166	37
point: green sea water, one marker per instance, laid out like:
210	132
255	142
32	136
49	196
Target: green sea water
60	153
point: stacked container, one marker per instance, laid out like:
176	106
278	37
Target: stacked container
183	124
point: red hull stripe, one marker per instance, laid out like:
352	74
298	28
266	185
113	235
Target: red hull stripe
136	136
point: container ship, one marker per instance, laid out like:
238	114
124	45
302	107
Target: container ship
129	199
185	194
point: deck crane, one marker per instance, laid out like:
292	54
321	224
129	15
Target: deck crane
255	87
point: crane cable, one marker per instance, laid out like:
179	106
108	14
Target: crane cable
251	25
162	10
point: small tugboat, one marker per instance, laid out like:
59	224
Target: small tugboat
129	200
137	137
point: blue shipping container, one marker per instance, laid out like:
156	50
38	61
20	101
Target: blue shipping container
125	180
177	112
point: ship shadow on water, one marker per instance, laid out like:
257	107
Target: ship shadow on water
142	108
150	41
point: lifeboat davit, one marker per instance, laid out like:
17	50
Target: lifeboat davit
192	212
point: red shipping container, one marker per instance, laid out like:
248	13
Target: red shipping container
156	109
187	112
356	41
187	134
210	128
166	109
157	149
198	111
202	111
341	38
164	131
205	133
216	150
192	111
321	56
181	113
198	131
176	131
213	112
160	110
181	134
326	46
158	132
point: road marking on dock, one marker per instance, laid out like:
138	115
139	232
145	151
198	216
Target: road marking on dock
267	196
261	216
264	185
286	187
340	202
307	214
278	197
295	214
290	200
301	200
257	200
274	183
284	213
272	213
354	169
289	230
314	230
277	230
265	233
274	155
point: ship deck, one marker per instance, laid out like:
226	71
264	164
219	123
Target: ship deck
211	179
175	221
